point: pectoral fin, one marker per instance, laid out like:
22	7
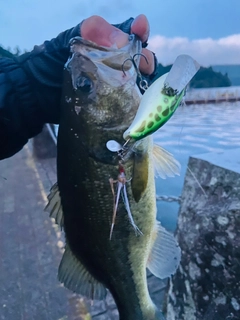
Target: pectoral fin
164	163
165	256
76	277
54	206
140	175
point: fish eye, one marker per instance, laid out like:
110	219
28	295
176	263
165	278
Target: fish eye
84	84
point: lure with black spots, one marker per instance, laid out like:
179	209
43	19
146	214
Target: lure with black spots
162	99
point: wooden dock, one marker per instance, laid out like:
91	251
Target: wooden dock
212	95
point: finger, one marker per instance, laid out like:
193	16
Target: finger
147	67
98	30
140	27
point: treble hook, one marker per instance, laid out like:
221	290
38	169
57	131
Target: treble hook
121	190
134	63
142	83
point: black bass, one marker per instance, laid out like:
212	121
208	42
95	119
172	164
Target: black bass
99	103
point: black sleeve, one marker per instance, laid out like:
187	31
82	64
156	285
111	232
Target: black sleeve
30	90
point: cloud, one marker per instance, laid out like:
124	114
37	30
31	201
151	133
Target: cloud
206	51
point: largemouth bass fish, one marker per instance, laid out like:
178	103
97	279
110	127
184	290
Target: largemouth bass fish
99	103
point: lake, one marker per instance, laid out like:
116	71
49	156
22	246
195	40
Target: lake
194	129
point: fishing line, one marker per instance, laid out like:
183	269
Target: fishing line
183	109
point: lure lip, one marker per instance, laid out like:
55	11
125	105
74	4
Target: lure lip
182	71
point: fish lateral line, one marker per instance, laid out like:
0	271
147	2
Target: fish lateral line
121	189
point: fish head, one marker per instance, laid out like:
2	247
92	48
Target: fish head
100	95
102	78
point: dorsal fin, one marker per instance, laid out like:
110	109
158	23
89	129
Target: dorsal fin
54	206
164	163
165	256
76	277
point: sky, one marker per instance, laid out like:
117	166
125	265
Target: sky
208	30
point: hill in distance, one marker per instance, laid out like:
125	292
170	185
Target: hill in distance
233	72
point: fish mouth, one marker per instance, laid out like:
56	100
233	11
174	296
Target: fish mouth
88	43
113	57
96	68
133	40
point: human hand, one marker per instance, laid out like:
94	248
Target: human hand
98	30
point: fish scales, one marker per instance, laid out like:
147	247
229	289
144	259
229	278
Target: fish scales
88	236
98	104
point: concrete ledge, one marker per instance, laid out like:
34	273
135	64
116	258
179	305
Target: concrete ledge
206	286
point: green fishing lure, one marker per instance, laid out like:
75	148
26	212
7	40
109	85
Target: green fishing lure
162	98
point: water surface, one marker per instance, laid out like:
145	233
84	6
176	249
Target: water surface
194	129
